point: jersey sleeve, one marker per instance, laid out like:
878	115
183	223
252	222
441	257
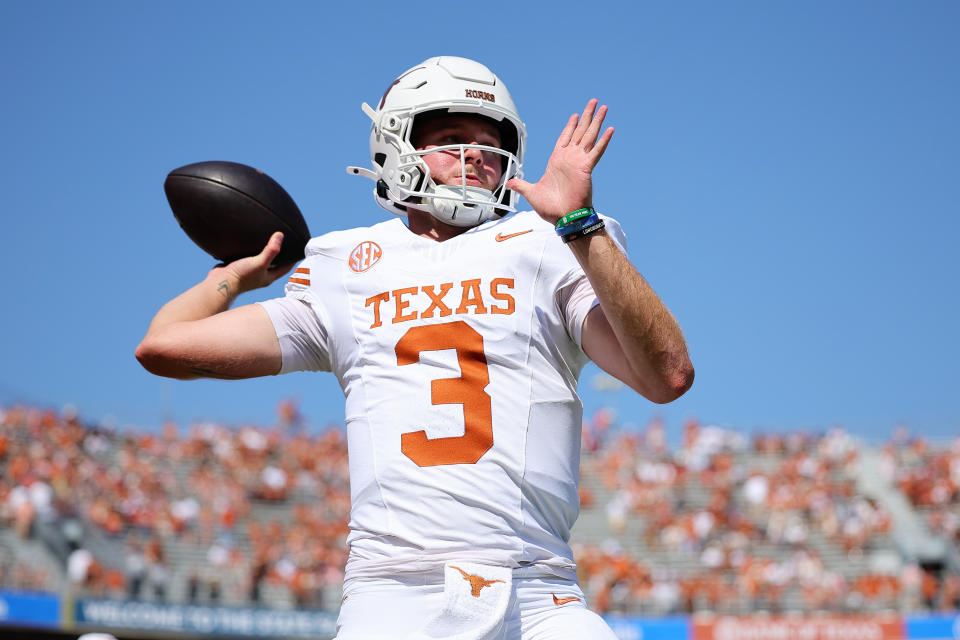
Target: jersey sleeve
578	298
298	320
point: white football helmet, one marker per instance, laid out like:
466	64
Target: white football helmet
452	85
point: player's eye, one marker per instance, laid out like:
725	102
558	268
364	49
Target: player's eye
448	137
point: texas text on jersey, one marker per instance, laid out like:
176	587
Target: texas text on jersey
459	362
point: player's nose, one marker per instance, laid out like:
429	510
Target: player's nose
474	154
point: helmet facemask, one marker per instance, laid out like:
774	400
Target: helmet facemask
437	88
462	204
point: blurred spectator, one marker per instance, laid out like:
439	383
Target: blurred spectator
135	564
82	568
158	574
288	415
720	523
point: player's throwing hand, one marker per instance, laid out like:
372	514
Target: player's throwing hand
567	183
254	272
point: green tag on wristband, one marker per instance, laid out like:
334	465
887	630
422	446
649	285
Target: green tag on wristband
574	216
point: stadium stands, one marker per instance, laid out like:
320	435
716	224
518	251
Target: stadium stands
256	516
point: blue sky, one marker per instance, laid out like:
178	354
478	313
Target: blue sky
786	172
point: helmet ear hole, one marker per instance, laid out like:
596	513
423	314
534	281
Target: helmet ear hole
380	158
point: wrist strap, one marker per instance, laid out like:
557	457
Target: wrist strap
578	224
575	215
585	231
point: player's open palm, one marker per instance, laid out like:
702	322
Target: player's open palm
567	183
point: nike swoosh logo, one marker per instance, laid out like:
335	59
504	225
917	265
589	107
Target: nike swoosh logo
559	601
500	237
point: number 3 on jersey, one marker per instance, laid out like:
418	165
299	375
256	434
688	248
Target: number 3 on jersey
467	390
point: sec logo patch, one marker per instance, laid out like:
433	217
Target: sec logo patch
364	255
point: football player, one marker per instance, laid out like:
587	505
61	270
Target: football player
457	337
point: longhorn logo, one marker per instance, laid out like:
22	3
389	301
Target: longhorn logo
562	601
476	582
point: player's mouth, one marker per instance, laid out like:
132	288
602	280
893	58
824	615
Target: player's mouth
472	180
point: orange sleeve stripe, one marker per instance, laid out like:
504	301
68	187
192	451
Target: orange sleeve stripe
300	281
302	270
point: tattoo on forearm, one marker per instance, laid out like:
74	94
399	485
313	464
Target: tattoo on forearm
224	289
207	373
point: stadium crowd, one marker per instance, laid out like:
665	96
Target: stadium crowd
737	526
71	485
720	523
929	478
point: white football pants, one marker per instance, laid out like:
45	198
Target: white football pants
539	609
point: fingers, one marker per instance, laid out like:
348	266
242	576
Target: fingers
582	129
567	132
590	136
585	121
518	185
269	253
272	248
601	145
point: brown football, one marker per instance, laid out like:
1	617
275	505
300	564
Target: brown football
230	210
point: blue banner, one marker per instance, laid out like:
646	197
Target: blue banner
632	628
44	610
207	620
934	627
29	609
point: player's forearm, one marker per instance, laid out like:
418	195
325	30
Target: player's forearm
650	337
197	334
211	296
168	347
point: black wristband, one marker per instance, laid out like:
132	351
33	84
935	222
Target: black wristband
583	232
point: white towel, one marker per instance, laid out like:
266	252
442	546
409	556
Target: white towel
476	599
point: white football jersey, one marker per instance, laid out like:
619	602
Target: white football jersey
459	362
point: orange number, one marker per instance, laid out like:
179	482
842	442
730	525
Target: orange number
467	390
